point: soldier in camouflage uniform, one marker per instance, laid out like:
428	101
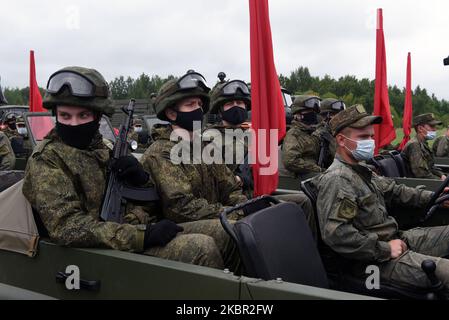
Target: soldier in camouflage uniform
417	154
329	108
11	128
352	204
7	157
301	149
440	147
190	191
232	100
65	180
134	135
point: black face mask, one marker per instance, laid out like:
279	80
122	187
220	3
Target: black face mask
310	118
235	115
185	119
79	136
12	126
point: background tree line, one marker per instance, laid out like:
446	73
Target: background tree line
352	91
300	81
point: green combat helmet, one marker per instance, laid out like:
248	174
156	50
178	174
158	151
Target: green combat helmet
229	91
306	103
332	106
81	87
192	84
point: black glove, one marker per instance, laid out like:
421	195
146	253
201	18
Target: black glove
161	233
130	170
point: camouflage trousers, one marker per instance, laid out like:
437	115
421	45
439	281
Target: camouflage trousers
424	244
306	205
203	243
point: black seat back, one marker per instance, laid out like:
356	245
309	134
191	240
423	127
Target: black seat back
396	155
276	242
386	166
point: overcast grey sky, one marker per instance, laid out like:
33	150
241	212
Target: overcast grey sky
335	37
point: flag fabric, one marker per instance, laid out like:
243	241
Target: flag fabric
408	109
39	126
384	133
267	112
35	95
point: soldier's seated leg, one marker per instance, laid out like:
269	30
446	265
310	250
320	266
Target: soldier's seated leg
423	243
196	249
406	271
306	205
214	229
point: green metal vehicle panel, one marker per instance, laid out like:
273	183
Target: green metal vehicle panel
126	275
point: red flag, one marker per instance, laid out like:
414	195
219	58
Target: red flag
268	114
35	95
408	109
384	133
40	126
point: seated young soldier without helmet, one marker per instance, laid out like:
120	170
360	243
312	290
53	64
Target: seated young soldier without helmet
352	204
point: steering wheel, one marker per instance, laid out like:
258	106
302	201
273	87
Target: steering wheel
437	199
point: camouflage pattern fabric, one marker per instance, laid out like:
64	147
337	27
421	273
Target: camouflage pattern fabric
7	157
300	151
203	242
354	222
423	244
65	185
352	209
419	159
231	143
189	192
440	147
135	136
324	133
10	133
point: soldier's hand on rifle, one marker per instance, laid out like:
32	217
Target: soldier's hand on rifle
130	170
161	233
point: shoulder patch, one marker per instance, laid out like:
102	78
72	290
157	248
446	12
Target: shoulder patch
347	209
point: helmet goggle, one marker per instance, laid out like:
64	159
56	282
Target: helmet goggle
232	88
338	106
193	80
79	85
313	103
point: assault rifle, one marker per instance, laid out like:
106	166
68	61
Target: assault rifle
117	192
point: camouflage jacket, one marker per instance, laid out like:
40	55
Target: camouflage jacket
189	192
7	157
352	206
419	159
233	143
300	150
328	145
135	136
10	133
440	147
66	185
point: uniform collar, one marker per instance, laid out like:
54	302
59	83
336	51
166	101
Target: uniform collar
360	168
